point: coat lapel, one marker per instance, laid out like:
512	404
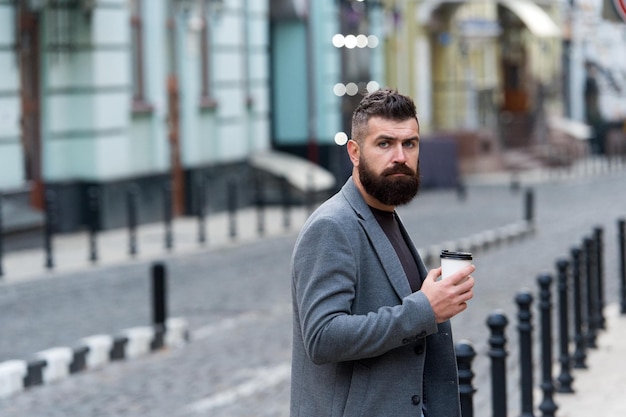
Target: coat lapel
379	241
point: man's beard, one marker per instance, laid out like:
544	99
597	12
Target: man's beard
389	190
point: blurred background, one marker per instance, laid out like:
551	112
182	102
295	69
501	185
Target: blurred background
118	112
100	95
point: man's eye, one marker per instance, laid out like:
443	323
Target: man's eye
410	144
383	144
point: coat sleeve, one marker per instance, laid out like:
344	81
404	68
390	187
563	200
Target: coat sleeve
325	274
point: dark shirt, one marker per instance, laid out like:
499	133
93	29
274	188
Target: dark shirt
389	223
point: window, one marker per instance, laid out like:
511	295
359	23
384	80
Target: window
140	103
207	100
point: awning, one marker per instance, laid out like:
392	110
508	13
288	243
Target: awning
534	17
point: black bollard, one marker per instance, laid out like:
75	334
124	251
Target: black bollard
232	208
1	236
580	355
565	377
465	354
622	260
497	322
529	207
461	190
168	238
93	203
310	191
159	303
286	197
201	210
49	227
260	205
525	329
590	293
131	217
598	233
547	406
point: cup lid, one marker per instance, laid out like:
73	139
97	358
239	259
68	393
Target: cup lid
463	256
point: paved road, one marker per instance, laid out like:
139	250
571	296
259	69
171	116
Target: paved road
236	299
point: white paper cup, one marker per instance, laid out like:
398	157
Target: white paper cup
452	261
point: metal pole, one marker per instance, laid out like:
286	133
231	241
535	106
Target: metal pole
547	406
232	208
580	355
525	328
286	196
1	235
200	192
497	322
310	191
529	205
465	354
50	222
93	204
565	377
590	293
598	236
131	213
159	302
167	216
260	205
622	260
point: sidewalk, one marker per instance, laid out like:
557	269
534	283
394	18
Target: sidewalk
70	252
600	387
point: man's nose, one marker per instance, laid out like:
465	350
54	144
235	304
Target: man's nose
399	154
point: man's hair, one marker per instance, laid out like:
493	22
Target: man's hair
385	103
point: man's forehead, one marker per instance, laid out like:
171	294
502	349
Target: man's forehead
378	125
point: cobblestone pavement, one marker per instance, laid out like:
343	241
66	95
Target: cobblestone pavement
236	298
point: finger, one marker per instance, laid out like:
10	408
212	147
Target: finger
434	273
462	274
467	284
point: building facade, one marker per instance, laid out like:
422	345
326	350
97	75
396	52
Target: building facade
101	97
102	101
470	62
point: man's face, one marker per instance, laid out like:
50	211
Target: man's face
387	162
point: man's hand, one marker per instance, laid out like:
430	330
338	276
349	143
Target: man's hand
449	296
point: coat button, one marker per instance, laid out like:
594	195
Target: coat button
416	399
405	341
419	349
422	334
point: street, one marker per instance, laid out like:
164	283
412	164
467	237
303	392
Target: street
236	299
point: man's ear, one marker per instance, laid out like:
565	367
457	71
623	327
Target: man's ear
353	151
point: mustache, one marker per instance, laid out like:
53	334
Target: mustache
398	169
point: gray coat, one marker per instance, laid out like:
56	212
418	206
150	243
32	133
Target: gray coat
363	344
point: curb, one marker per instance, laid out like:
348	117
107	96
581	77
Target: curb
91	352
480	241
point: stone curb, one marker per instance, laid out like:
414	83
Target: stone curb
92	352
480	241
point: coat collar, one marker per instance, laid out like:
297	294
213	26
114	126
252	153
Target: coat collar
379	241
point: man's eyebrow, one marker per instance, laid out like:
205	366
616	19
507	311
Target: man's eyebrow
387	137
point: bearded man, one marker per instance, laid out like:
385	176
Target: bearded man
371	329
